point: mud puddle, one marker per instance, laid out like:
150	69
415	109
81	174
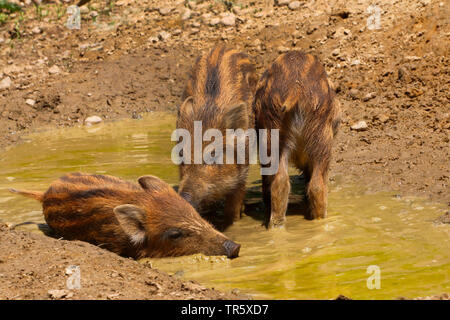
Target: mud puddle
305	260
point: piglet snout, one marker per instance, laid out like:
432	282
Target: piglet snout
231	249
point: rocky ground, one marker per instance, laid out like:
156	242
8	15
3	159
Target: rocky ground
389	64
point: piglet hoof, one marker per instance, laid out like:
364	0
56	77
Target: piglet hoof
275	224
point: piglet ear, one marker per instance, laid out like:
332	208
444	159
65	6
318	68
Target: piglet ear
131	219
236	117
152	183
187	108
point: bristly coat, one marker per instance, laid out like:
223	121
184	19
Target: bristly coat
295	96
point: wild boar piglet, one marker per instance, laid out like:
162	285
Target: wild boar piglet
219	95
148	219
295	97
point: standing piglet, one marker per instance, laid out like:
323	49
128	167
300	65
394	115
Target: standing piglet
145	220
218	95
294	96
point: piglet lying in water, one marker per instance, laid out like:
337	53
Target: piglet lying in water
145	220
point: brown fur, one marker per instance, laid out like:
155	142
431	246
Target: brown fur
219	93
96	209
294	96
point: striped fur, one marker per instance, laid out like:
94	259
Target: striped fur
221	86
294	96
84	207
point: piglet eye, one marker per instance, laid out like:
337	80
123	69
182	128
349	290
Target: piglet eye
173	234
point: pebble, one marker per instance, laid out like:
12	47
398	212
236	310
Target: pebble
282	49
36	30
164	11
214	21
383	118
186	14
163	35
369	96
5	83
283	2
177	32
153	39
359	126
30	102
294	5
306	250
354	93
89	121
228	20
59	294
335	52
54	69
206	17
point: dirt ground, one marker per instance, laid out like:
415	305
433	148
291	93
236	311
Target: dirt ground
131	57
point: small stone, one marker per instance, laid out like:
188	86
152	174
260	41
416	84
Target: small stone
369	96
335	52
355	62
54	69
194	30
228	20
153	39
359	126
383	118
186	14
177	32
196	25
206	17
89	121
30	102
282	49
192	4
36	30
294	5
94	14
5	83
163	35
237	9
354	93
57	294
214	21
283	2
164	11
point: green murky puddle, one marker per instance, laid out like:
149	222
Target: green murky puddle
306	260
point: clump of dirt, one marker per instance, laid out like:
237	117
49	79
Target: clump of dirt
33	266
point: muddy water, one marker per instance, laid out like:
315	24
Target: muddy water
306	259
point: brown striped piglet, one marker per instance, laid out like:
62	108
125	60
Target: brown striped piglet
219	95
148	219
294	96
